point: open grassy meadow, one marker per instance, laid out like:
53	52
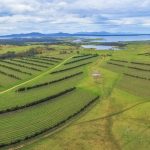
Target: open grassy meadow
66	97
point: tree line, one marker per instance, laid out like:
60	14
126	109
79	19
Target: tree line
115	64
74	61
46	59
145	54
38	101
84	55
53	58
15	69
119	60
62	70
38	61
47	83
52	127
20	65
29	63
137	68
140	63
10	75
135	76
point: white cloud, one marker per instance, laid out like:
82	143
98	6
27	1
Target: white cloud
72	16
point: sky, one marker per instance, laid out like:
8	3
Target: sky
51	16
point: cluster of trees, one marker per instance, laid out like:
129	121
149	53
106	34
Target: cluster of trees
47	83
74	61
135	76
38	101
15	69
52	127
57	71
63	52
119	60
29	63
9	54
20	65
10	75
115	64
140	63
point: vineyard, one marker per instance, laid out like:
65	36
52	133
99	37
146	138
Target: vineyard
41	105
90	97
137	72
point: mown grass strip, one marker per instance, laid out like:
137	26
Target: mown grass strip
55	126
47	83
137	68
36	102
66	69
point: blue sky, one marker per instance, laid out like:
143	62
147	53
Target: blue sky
49	16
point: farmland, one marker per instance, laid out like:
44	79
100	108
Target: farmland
52	99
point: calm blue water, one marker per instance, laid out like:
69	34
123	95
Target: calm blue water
111	39
100	47
117	38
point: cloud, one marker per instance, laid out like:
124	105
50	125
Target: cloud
73	16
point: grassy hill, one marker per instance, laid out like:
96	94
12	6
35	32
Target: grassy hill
53	100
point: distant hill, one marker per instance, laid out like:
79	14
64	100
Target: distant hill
60	34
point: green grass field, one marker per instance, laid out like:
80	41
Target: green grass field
119	119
